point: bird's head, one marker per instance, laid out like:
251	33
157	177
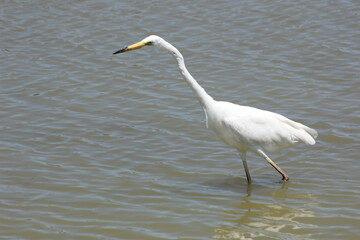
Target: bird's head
151	40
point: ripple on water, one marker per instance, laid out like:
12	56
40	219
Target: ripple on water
98	146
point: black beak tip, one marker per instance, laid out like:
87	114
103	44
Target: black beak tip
120	51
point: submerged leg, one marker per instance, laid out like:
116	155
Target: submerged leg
243	158
283	174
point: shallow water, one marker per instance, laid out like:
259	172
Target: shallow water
96	146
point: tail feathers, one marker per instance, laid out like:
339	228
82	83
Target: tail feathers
302	132
307	135
311	131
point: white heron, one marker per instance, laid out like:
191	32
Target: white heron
244	128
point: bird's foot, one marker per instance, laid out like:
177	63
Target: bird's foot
285	178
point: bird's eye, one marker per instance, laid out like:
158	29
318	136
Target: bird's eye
149	43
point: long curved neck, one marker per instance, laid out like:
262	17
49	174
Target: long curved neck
200	93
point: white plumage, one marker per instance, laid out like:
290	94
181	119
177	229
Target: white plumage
245	128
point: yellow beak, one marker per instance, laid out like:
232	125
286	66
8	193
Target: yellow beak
132	47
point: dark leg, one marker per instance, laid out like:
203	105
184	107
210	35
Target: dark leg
243	157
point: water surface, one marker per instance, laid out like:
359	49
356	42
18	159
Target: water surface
96	146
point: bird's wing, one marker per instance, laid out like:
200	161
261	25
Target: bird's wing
266	129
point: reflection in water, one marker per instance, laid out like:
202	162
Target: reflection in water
267	214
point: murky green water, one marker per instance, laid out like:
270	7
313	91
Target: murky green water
95	146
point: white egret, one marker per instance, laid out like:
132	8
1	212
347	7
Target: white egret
244	128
